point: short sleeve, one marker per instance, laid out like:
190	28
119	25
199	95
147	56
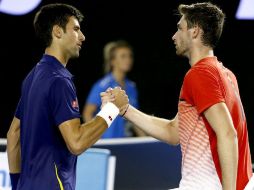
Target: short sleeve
94	95
203	89
63	101
18	109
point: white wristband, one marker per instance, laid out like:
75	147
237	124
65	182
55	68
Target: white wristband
109	112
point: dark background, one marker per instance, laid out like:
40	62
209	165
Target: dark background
148	26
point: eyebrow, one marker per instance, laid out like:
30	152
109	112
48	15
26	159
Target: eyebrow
77	27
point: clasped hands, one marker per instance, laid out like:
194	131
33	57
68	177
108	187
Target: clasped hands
118	97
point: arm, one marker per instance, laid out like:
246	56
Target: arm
220	120
13	146
89	111
79	137
162	129
13	152
138	131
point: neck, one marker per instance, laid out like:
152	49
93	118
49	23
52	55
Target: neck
200	53
119	76
58	54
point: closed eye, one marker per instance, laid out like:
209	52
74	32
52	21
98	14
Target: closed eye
77	28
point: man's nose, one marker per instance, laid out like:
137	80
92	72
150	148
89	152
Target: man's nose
82	38
173	37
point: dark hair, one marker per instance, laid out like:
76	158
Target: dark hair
50	15
109	52
208	17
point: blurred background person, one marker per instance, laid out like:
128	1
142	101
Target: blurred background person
118	61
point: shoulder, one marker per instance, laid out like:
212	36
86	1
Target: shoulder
131	83
204	70
104	82
204	76
30	75
231	73
59	79
59	82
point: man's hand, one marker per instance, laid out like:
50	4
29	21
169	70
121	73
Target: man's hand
118	97
121	100
106	97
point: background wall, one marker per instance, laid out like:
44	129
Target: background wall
148	26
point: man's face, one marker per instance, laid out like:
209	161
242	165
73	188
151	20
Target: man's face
182	38
72	38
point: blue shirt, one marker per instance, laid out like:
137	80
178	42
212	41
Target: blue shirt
48	98
116	130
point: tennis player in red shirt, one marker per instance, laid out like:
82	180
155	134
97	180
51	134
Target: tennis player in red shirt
210	124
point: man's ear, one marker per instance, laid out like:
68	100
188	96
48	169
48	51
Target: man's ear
196	31
57	31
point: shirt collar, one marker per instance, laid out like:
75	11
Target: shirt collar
113	78
52	61
207	60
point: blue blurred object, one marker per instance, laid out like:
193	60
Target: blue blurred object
245	10
18	7
94	171
144	163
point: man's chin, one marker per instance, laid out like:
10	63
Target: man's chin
75	56
180	54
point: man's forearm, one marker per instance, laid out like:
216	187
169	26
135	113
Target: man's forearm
13	152
13	147
14	156
79	137
228	155
92	131
162	129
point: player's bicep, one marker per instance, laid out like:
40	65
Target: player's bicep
13	135
70	131
220	119
173	130
13	146
175	122
15	125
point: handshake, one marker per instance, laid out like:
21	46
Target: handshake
118	97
